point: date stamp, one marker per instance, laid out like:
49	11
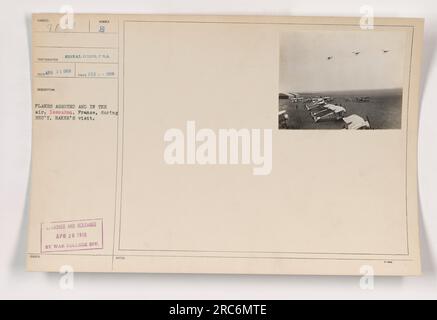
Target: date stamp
76	235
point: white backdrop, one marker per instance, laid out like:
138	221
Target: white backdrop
15	146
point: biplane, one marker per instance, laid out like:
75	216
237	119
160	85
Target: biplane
293	97
316	103
283	119
355	122
362	99
329	111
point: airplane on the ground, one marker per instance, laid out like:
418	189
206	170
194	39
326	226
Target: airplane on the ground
283	118
356	52
317	103
362	99
355	122
329	111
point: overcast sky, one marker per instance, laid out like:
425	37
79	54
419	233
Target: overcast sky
305	67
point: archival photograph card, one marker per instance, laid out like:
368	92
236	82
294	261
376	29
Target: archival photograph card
224	144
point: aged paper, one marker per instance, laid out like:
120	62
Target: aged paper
212	144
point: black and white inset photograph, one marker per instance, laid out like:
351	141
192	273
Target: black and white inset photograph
341	79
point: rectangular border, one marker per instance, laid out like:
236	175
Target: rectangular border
411	27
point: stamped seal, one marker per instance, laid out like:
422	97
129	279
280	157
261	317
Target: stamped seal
76	235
